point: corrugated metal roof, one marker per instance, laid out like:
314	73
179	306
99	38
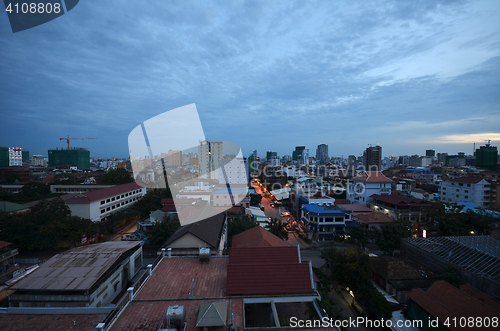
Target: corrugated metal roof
77	269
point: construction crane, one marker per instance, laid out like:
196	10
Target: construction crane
68	138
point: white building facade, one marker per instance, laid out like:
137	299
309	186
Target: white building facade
466	189
367	184
98	205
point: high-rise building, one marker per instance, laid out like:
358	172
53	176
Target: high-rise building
430	152
4	157
270	155
76	156
209	154
38	161
297	153
442	157
15	157
236	171
322	153
174	158
487	157
372	158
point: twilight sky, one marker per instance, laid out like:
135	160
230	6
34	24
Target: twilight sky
269	75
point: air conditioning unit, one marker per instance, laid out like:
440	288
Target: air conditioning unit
175	318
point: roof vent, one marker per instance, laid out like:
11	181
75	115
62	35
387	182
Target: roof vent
175	318
204	255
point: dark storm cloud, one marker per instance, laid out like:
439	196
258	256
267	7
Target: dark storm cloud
265	75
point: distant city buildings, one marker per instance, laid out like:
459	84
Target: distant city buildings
78	157
15	157
372	158
487	157
209	154
466	189
297	153
322	153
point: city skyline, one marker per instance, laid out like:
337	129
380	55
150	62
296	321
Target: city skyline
267	76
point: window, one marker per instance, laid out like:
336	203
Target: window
108	200
102	202
467	197
460	184
466	191
468	185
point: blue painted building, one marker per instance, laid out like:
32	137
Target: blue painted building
326	221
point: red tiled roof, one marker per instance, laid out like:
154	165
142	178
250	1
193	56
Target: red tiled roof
263	255
257	237
169	208
374	218
149	315
167	201
372	176
56	322
88	197
4	244
264	270
172	279
268	279
481	296
443	300
397	199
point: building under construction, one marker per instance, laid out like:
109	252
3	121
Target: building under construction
79	157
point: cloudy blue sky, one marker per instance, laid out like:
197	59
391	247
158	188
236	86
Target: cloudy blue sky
269	75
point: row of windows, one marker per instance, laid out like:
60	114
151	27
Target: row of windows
119	197
466	197
123	203
458	190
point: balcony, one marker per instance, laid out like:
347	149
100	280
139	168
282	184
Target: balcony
8	254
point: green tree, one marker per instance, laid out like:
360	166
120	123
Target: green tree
389	236
44	226
351	268
360	235
162	230
115	177
277	227
34	189
255	198
238	224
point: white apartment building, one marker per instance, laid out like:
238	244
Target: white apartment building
236	171
15	156
209	155
367	184
466	189
97	205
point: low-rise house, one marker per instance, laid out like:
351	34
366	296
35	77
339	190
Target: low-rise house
402	207
98	205
86	276
326	221
257	237
8	265
364	186
396	276
372	220
208	233
452	307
